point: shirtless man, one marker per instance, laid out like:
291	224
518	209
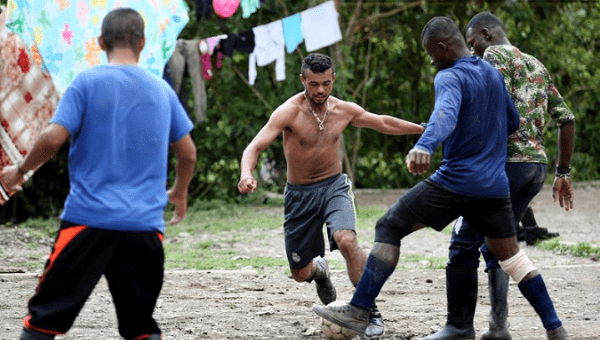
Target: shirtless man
317	192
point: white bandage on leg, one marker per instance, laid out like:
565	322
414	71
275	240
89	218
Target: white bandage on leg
518	266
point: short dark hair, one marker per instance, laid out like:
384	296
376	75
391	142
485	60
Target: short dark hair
485	19
122	27
441	28
317	63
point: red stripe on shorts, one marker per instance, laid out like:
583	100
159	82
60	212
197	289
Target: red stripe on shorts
64	237
39	330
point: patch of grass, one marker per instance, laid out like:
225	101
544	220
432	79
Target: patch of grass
31	246
210	218
580	249
366	217
33	265
427	262
41	227
448	229
35	256
202	257
336	264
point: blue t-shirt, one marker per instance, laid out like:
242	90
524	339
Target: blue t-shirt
473	116
121	120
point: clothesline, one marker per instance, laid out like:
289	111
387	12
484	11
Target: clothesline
317	27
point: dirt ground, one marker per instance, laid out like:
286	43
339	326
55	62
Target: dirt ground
253	303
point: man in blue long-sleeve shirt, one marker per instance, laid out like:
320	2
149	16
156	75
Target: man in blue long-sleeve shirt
472	117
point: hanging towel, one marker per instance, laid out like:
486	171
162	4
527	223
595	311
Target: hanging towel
269	47
292	32
249	7
320	26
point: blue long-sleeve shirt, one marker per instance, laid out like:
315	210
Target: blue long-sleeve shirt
472	117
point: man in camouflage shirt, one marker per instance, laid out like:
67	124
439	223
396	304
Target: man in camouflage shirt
534	96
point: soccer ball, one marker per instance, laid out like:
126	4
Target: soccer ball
335	332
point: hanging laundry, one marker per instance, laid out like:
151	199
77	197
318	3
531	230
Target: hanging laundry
207	49
320	26
243	42
66	33
204	9
269	47
205	59
225	8
292	32
182	91
249	7
213	42
186	60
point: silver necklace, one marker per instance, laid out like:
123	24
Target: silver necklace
321	122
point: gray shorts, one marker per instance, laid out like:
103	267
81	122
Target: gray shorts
307	209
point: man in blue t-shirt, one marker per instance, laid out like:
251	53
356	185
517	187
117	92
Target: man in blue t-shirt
472	117
121	120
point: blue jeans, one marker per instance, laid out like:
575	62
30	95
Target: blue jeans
466	244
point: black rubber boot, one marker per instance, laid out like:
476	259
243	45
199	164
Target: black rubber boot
461	292
498	286
531	231
29	334
535	233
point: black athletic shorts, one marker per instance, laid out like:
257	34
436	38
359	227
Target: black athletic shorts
308	208
132	262
435	206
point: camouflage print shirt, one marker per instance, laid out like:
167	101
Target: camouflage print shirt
534	95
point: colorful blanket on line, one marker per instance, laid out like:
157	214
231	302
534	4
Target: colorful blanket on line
27	101
64	32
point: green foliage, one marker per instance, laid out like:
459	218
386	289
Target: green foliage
381	65
41	227
580	249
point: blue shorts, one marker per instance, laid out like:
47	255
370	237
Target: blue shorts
307	209
435	206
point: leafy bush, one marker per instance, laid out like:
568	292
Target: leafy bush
381	65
